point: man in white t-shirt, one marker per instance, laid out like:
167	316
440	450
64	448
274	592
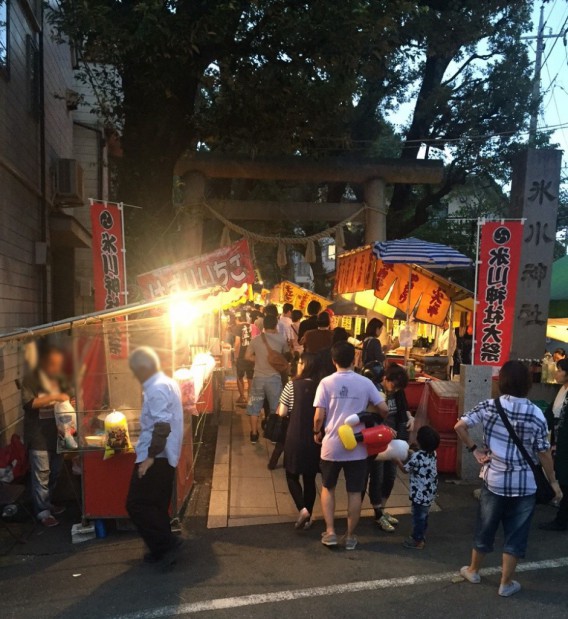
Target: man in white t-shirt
338	396
285	322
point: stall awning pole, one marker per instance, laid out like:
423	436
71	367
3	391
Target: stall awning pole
94	317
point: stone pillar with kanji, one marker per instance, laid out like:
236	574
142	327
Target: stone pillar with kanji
534	197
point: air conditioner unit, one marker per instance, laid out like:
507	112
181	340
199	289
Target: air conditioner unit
68	183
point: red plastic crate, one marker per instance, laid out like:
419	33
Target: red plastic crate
413	393
443	405
447	453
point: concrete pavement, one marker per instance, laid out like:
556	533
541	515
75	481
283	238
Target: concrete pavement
49	577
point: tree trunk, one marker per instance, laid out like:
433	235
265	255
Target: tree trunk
424	114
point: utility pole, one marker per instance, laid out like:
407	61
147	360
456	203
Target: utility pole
535	99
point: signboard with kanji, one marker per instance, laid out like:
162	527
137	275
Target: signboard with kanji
227	267
108	255
108	267
499	257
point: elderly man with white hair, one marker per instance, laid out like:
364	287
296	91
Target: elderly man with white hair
157	455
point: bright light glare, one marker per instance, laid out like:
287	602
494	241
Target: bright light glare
183	313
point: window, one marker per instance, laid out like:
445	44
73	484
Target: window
33	69
4	15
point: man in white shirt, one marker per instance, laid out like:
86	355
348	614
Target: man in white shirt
157	455
338	396
285	322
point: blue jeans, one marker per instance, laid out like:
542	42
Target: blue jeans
419	521
45	468
514	513
269	387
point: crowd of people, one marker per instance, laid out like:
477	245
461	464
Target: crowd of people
302	369
323	388
312	375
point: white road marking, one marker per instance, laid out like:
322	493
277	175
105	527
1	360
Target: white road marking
298	594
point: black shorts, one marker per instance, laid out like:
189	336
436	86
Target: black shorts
244	366
355	474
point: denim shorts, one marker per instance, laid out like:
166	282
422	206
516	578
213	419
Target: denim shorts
269	387
514	513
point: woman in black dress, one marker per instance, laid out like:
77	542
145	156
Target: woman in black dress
301	453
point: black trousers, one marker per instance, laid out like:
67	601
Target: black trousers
382	475
302	497
148	505
562	514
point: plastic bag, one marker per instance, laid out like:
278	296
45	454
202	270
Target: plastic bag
66	422
116	434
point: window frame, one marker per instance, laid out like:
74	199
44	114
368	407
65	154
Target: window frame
5	66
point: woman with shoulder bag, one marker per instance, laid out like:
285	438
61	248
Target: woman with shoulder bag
301	453
512	427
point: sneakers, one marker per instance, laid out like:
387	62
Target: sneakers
473	577
329	539
414	544
384	524
350	543
552	526
254	438
50	522
506	591
391	519
303	519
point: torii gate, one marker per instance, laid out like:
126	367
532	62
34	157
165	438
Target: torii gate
372	174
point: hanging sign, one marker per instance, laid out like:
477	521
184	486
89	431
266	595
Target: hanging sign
299	297
434	304
108	256
109	279
355	271
499	256
227	267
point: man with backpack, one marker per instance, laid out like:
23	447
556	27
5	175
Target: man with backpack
269	352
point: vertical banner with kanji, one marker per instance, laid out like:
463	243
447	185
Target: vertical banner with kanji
497	276
108	263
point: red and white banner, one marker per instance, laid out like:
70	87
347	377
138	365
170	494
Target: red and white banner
497	278
227	267
108	266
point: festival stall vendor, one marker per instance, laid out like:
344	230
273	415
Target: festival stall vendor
104	428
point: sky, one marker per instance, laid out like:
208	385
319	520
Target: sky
554	78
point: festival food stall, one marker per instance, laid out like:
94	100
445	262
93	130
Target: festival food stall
288	292
394	289
101	431
414	303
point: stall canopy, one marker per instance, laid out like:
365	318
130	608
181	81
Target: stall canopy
384	287
559	289
287	292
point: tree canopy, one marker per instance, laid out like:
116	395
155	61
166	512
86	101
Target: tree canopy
315	79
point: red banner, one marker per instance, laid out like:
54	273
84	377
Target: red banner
108	256
227	267
108	266
499	256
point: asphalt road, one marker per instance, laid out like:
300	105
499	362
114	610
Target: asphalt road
285	573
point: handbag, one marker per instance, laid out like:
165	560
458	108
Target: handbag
544	491
277	360
276	428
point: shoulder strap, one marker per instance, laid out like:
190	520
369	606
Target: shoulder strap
265	340
514	436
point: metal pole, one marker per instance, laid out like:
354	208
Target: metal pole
535	99
480	222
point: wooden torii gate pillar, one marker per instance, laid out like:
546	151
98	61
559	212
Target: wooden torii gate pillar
371	174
